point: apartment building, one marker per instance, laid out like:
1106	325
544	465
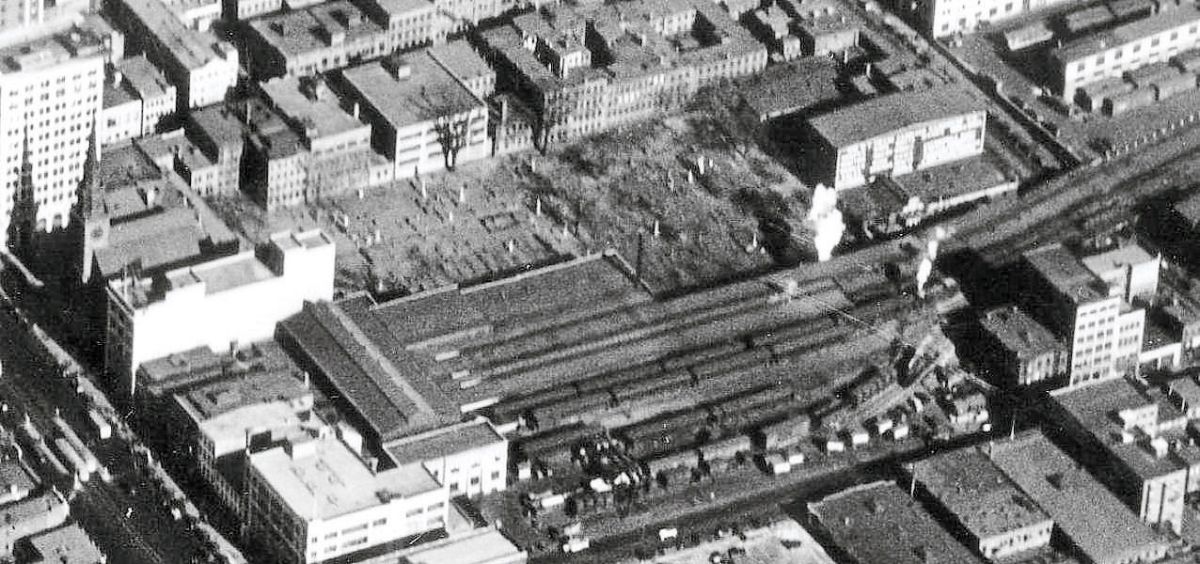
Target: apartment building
201	66
897	134
1103	332
1137	441
336	154
1112	53
1020	349
423	118
136	99
948	17
584	69
50	96
408	23
229	417
316	498
1000	519
227	300
315	39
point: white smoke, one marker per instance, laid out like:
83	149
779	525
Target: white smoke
825	221
931	252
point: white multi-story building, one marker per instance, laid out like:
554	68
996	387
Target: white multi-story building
469	458
1103	332
1112	53
897	134
229	300
947	17
317	498
50	94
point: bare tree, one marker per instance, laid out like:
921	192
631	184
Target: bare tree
452	134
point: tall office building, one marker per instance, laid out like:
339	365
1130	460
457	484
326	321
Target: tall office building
50	93
19	13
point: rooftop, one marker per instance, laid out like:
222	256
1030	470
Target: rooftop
309	29
223	274
890	112
444	441
1127	33
66	545
1101	527
190	48
1063	270
217	123
222	396
1188	389
1019	332
1189	208
858	518
14	477
326	479
310	106
792	87
1095	407
951	180
49	50
425	93
1120	257
479	547
986	502
179	372
460	60
158	240
144	77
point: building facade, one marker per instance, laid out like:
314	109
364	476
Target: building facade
948	17
1020	349
897	134
1110	54
217	303
51	93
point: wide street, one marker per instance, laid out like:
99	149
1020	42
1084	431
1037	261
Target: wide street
126	518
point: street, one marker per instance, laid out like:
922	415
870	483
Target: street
150	535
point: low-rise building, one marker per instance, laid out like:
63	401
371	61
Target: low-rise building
201	66
227	300
409	23
1112	53
29	517
948	17
1136	441
468	458
897	134
1021	349
136	99
478	546
219	135
1129	271
1000	518
855	521
315	39
316	499
64	545
424	119
1099	528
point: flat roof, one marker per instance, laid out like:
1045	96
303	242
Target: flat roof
401	7
791	87
884	114
158	240
190	48
951	180
305	30
1063	270
1124	34
1095	405
1127	255
233	424
986	502
1187	388
880	524
144	77
331	480
222	396
222	274
1189	207
444	441
13	476
319	115
193	368
218	123
460	60
66	545
46	51
427	93
1019	332
1101	527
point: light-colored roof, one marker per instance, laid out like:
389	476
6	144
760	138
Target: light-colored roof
189	48
885	114
145	78
986	502
444	441
1128	33
460	60
66	545
880	524
1101	527
305	30
1128	255
332	481
234	424
222	274
480	548
1066	273
319	116
427	93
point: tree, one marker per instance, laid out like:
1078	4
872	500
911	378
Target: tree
548	121
452	135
